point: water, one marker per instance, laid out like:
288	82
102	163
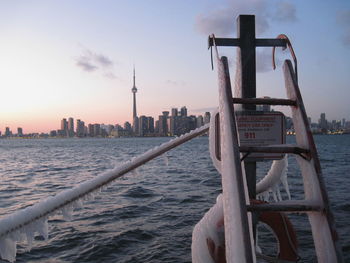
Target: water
147	215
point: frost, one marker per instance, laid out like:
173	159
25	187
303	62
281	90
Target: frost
25	223
8	249
270	184
209	227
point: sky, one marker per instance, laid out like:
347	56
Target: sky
61	59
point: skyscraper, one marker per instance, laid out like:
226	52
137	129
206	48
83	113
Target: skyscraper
134	90
64	125
135	122
70	127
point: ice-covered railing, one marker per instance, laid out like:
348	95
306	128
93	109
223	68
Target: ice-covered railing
23	224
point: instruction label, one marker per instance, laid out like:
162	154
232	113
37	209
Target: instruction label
258	128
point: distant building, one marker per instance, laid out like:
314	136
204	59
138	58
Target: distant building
70	127
135	125
200	121
19	132
150	125
97	130
127	126
163	124
91	130
53	133
143	126
8	132
64	125
207	117
174	112
80	129
183	111
323	123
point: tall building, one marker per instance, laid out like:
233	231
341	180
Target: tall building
323	122
150	124
134	90
70	127
127	126
143	125
183	111
174	112
64	125
80	130
163	124
8	132
19	132
200	121
207	117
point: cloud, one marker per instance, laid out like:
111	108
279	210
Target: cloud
222	22
343	19
92	62
103	60
85	65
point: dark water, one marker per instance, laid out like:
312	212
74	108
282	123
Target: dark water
147	216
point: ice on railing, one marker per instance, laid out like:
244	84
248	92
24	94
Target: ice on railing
271	183
23	224
209	229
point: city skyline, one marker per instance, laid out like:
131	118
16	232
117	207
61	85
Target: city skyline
82	65
68	129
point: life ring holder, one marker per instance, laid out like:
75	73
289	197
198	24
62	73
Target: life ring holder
283	230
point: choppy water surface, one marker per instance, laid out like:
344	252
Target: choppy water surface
147	215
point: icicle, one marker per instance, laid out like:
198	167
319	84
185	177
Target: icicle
24	223
8	249
166	159
67	212
270	184
284	181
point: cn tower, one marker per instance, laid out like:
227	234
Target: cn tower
134	90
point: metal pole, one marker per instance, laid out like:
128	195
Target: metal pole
246	35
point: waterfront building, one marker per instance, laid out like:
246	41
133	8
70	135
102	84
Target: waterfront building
150	124
207	117
174	112
97	129
91	130
143	126
323	123
53	133
163	123
183	111
127	126
70	127
80	130
19	132
8	132
64	124
200	121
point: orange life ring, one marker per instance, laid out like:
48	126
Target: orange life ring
280	225
283	230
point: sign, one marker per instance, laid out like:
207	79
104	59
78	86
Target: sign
259	128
